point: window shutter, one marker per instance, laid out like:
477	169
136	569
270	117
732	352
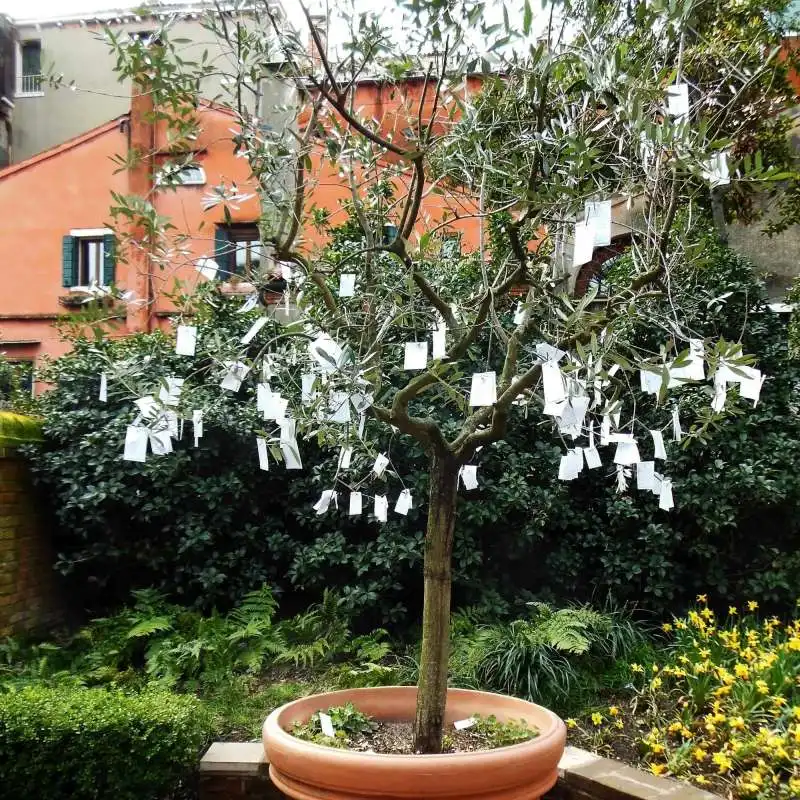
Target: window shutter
69	262
222	252
109	258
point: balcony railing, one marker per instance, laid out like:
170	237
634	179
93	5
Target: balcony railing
31	84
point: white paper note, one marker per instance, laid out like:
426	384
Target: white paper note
254	329
160	443
553	383
381	507
462	724
135	444
547	352
347	284
339	407
677	433
716	170
355	504
103	394
237	372
403	504
249	304
694	370
197	425
720	392
345	456
484	389
307	392
665	501
659	451
326	723
170	395
439	343
186	342
750	388
263	459
291	455
599	214
645	474
207	267
327	497
649	382
592	456
519	313
582	243
381	462
274	406
627	453
326	353
147	406
678	100
416	355
605	430
469	476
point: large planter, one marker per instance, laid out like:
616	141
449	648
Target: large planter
309	771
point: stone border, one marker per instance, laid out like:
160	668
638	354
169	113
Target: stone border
239	771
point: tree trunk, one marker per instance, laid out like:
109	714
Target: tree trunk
432	687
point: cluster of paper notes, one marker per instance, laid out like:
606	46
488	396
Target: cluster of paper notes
594	230
380	503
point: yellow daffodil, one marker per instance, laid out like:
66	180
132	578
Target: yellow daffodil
702	598
597	718
658	769
752	605
571	723
613	710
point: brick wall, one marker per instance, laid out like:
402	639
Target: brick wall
28	592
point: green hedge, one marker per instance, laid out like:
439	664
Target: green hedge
81	743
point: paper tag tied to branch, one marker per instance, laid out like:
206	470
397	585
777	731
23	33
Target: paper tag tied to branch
468	474
484	389
328	497
326	723
381	462
403	504
381	507
186	341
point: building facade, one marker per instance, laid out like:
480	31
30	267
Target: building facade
90	93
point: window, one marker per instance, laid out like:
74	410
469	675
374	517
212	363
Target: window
16	377
451	246
238	251
30	72
88	257
175	175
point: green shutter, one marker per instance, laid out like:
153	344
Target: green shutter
222	252
69	262
109	258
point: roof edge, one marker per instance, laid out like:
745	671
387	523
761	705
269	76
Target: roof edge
75	141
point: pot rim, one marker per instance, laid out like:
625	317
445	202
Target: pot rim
273	729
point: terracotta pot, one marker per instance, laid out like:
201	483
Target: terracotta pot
309	771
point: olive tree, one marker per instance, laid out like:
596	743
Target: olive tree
584	106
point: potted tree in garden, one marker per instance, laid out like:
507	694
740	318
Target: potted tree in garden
602	126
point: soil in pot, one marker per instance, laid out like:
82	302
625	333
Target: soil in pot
358	732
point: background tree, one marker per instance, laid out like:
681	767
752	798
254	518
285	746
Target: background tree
602	127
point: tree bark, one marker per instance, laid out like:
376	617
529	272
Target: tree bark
432	686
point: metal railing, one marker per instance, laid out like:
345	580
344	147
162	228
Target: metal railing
31	84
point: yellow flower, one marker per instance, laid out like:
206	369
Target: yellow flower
675	727
637	668
698	754
666	627
736	723
723	762
752	605
741	670
732	612
702	598
657	748
707	613
655	668
655	683
658	769
571	723
680	625
613	710
597	718
701	779
762	687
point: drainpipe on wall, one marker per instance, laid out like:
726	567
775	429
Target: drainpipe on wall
141	143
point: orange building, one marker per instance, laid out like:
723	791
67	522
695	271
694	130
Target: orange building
56	239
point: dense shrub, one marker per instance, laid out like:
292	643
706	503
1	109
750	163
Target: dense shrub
205	525
72	743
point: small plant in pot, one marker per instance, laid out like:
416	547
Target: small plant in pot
603	127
